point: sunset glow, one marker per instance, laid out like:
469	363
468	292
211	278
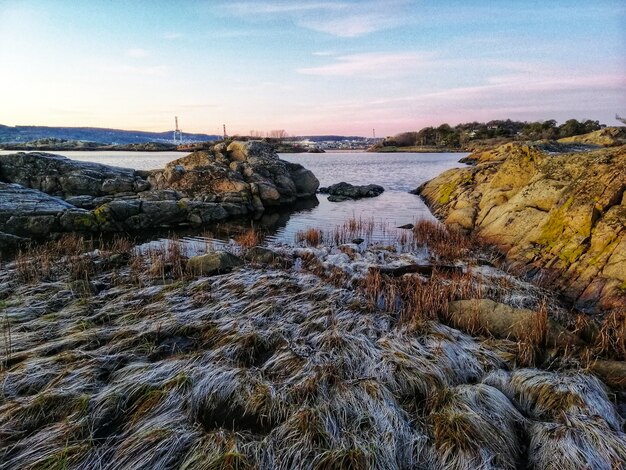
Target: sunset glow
309	67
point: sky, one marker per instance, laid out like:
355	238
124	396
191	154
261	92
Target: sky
309	67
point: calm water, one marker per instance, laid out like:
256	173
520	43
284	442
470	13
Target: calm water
136	160
398	173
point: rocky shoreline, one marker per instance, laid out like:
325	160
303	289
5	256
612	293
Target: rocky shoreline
43	194
424	352
559	217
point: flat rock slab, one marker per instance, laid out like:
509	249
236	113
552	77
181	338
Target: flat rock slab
28	212
58	175
16	199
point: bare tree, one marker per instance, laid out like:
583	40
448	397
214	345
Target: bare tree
279	134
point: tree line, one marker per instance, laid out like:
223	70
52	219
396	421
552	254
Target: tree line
457	136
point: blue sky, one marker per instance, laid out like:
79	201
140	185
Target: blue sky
309	67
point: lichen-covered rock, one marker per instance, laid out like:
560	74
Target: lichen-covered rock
560	216
248	173
607	137
216	262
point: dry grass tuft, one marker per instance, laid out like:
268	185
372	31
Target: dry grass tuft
311	236
249	238
445	243
611	340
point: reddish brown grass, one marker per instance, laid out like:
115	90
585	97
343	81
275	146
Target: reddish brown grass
249	238
447	244
611	340
311	236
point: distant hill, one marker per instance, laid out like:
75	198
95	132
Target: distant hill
20	134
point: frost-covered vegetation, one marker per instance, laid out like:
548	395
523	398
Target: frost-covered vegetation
327	355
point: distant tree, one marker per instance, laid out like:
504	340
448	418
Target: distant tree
278	134
571	127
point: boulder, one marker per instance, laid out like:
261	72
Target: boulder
10	242
265	256
245	173
217	262
503	321
346	191
304	180
58	175
30	213
557	216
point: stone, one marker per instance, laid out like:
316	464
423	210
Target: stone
84	202
10	242
245	173
123	209
506	322
164	213
58	175
200	213
31	213
304	180
216	262
265	256
345	191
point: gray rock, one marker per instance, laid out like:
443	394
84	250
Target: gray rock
28	212
200	213
213	263
265	256
164	213
203	187
55	174
245	173
304	180
160	195
84	202
123	209
10	242
345	191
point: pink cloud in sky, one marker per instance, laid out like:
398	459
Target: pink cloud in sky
372	64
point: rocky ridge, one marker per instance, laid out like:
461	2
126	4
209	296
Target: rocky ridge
557	216
42	193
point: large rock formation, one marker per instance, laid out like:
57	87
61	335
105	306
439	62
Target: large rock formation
559	216
42	193
242	173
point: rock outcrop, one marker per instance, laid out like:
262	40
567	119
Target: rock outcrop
345	191
561	217
242	173
608	137
42	193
